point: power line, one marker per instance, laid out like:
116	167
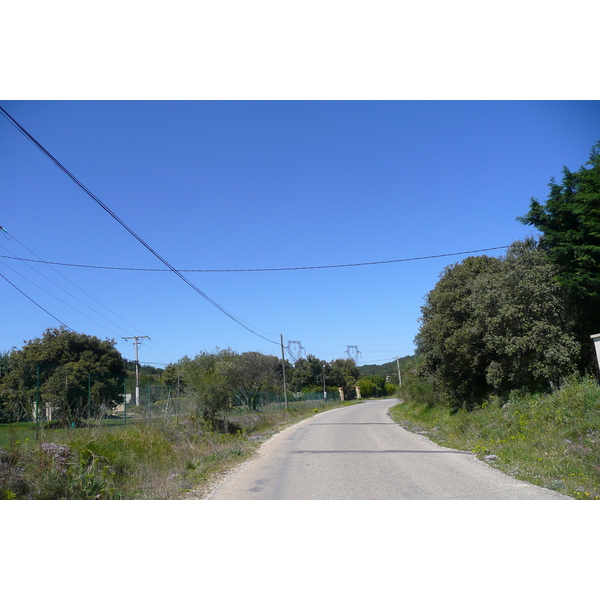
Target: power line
32	300
129	230
363	264
73	283
72	296
154	363
42	261
59	299
66	291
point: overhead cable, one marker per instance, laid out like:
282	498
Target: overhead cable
73	283
363	264
130	231
11	237
70	294
59	299
32	300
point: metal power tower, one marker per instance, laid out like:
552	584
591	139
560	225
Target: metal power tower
295	350
354	353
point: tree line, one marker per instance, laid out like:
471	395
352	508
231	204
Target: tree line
223	375
522	321
77	376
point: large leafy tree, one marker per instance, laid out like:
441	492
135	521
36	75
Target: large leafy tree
217	378
253	373
171	377
570	225
492	325
75	374
207	377
343	372
525	322
307	374
450	335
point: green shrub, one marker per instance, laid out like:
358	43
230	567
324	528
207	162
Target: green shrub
390	389
366	387
551	440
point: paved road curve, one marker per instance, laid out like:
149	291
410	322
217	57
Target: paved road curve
359	453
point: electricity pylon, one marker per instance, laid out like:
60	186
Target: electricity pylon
354	353
295	350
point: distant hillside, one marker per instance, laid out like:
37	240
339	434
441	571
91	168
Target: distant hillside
144	369
149	375
389	368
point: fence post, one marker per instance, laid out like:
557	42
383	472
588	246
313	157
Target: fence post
89	397
37	400
283	365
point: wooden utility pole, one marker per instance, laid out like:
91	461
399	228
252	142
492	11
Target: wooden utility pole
136	342
283	365
399	376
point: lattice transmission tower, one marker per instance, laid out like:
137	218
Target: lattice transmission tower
353	352
295	350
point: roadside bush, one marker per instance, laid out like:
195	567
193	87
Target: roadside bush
366	387
390	389
376	386
417	385
551	439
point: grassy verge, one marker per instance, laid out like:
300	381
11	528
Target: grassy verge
551	440
161	459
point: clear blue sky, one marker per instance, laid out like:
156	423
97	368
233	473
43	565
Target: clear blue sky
259	185
267	185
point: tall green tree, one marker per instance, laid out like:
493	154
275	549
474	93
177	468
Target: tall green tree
569	222
171	376
217	378
491	325
525	321
343	372
252	374
78	374
307	374
207	377
450	335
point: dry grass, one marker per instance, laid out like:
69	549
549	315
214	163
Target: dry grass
160	459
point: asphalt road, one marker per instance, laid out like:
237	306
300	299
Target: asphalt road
359	453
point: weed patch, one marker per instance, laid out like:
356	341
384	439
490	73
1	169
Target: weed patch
161	459
551	440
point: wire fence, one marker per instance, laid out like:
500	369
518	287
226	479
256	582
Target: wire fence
74	398
157	401
162	402
272	402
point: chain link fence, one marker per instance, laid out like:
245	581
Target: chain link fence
159	401
92	399
268	401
